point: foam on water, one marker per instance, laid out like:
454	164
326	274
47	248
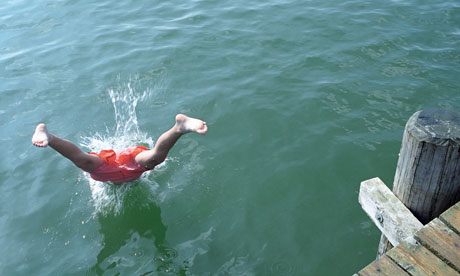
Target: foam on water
109	198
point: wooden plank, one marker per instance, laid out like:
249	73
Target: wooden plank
451	217
419	261
444	242
387	212
384	267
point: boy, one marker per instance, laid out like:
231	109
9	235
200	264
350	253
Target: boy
125	165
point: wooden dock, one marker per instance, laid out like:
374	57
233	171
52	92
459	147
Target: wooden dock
420	217
433	249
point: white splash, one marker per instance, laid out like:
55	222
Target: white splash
112	199
109	198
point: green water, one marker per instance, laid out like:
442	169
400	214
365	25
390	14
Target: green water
304	99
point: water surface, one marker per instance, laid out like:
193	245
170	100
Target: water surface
304	99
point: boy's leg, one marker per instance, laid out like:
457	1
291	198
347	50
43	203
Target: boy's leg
87	162
149	159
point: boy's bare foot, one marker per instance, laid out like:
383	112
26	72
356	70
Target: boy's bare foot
187	124
41	136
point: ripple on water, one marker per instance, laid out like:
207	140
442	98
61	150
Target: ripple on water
282	268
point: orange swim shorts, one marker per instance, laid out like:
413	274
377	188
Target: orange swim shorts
119	166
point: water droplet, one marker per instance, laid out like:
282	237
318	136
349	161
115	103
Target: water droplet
282	268
170	254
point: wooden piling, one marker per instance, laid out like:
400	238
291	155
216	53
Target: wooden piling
427	178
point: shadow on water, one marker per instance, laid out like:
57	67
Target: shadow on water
133	239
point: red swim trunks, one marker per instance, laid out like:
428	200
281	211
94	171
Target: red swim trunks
119	166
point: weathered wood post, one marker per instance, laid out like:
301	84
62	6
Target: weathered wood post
427	178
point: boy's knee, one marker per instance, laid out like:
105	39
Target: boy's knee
157	160
82	164
86	164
